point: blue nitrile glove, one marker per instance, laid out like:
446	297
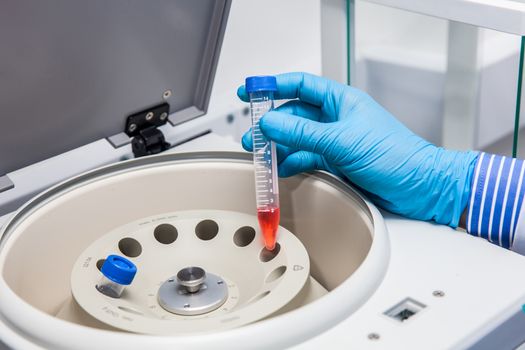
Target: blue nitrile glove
334	127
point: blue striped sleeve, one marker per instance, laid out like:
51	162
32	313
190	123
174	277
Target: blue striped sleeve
496	198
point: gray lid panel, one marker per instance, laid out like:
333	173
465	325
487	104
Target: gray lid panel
71	71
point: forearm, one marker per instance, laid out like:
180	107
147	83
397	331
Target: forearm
496	198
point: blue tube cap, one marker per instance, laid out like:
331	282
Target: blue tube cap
118	269
261	83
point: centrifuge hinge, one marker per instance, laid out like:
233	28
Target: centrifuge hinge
143	127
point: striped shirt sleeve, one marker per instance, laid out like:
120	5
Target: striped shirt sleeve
496	198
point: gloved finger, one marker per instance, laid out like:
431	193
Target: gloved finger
304	86
292	107
242	94
308	88
301	109
282	151
295	107
247	141
299	162
303	161
300	133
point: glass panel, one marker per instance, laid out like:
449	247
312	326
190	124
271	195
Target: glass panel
451	83
499	102
517	119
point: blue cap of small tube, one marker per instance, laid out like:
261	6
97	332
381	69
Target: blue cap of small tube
261	83
119	269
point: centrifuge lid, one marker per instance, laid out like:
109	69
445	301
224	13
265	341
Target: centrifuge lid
72	71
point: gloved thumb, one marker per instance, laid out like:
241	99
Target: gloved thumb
297	133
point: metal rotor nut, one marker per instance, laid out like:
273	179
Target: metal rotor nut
191	278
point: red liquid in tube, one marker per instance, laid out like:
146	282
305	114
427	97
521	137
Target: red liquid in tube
269	223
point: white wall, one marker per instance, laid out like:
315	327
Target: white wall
264	37
267	37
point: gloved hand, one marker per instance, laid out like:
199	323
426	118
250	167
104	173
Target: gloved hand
337	128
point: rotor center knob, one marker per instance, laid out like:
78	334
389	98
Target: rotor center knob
191	278
192	292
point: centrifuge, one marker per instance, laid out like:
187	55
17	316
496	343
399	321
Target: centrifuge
129	223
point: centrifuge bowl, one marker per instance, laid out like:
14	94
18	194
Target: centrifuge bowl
344	235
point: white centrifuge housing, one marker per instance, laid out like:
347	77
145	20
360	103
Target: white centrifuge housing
53	243
189	215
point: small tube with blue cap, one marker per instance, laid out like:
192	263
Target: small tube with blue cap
117	273
261	90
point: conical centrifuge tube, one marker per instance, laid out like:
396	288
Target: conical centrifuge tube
117	273
260	90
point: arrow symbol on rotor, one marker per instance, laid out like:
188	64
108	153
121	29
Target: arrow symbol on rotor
297	267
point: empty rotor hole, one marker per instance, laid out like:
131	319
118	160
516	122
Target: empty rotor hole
275	274
130	247
165	233
267	255
100	262
206	230
260	296
130	310
244	236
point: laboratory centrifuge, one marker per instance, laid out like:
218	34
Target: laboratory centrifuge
176	230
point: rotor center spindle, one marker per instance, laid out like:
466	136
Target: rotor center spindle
191	278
